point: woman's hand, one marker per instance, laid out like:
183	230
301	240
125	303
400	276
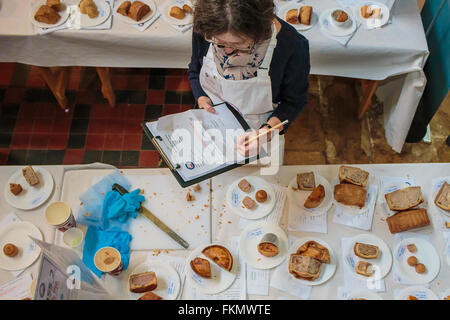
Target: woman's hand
253	148
206	103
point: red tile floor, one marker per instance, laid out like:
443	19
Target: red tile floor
34	130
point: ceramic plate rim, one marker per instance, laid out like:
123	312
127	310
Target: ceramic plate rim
260	224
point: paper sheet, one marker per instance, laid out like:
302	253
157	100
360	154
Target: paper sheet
17	289
391	184
361	221
257	281
277	212
298	221
237	291
352	283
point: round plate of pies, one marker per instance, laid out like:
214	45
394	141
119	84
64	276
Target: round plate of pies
30	197
84	21
263	245
298	197
144	19
363	295
64	15
211	268
251	197
312	261
371	197
298	26
377	13
23	251
184	20
168	281
416	261
416	293
371	249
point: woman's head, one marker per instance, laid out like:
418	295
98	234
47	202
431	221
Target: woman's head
233	21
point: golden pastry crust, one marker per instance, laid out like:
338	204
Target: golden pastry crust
366	251
411	247
55	4
220	255
188	9
124	8
315	198
15	188
268	249
412	261
138	10
442	199
292	16
201	267
420	268
88	7
314	250
244	185
364	268
10	250
305	14
366	12
45	14
407	220
143	282
248	202
261	196
177	13
350	195
150	296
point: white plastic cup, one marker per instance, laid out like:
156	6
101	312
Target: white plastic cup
59	215
73	237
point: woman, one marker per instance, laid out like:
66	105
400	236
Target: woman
243	54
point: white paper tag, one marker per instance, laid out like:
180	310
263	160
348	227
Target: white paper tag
17	289
257	281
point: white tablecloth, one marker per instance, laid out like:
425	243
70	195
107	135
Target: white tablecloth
423	174
399	49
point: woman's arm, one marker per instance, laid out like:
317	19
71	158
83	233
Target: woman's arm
294	87
198	52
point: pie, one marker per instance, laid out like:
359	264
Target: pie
220	255
314	250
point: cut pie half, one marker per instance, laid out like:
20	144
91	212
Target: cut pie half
220	255
201	267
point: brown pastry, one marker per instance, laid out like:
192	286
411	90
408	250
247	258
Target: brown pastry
340	16
315	198
364	268
188	9
420	268
447	298
353	175
447	225
138	10
177	13
150	296
412	298
305	14
10	250
46	14
248	202
304	267
404	199
350	195
411	247
376	13
124	8
292	16
244	185
15	188
30	175
189	197
201	267
55	4
261	196
306	181
88	7
407	220
442	199
143	282
314	250
220	255
366	251
268	249
412	261
366	12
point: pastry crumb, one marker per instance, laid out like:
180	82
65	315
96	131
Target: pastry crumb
189	197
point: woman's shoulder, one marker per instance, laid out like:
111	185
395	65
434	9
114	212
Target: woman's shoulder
290	39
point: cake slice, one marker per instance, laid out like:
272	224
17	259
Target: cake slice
364	268
443	197
306	181
404	199
30	175
143	282
353	175
366	251
304	267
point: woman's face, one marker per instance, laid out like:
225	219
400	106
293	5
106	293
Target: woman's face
232	42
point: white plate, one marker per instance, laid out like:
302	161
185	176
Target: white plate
382	264
328	269
363	294
298	197
249	241
104	11
167	277
188	19
328	27
372	22
435	192
220	279
300	27
419	292
425	253
370	199
18	233
64	15
128	20
260	210
30	197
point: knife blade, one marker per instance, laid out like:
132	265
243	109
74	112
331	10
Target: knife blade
150	216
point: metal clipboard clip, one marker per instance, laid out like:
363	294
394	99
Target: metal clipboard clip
161	152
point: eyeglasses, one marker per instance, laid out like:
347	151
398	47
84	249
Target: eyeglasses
248	49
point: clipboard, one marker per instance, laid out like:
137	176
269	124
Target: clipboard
174	167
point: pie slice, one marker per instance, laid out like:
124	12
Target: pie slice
220	255
201	267
314	250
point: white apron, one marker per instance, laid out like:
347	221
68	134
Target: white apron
251	97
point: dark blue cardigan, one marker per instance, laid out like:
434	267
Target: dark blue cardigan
289	71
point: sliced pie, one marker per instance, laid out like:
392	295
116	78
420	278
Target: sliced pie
220	255
201	267
314	250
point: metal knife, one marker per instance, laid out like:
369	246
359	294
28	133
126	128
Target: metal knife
150	216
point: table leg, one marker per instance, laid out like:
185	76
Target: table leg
56	79
107	89
368	88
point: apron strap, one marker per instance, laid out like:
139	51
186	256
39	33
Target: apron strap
265	66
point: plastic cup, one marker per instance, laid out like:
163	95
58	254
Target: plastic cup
73	237
59	215
108	260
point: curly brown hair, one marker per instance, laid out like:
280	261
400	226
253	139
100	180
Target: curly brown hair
246	18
